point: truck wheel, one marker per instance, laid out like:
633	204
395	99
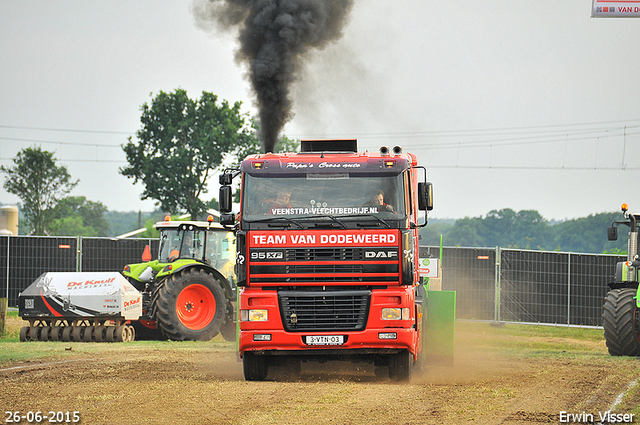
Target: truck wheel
256	368
622	322
228	330
190	306
400	366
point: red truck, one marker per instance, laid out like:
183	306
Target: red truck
327	252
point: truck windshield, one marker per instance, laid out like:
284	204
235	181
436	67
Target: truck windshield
301	196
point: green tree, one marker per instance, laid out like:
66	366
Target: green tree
181	142
40	184
466	233
75	216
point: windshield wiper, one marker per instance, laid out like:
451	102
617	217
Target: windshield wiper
341	224
380	221
267	220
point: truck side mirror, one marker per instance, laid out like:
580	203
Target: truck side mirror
227	219
225	199
225	179
425	196
612	233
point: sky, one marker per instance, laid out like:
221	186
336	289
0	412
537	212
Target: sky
508	104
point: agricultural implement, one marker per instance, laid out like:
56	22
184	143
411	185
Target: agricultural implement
79	307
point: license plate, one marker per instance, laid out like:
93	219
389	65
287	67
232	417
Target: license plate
325	340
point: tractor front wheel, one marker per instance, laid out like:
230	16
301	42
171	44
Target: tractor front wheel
622	322
190	306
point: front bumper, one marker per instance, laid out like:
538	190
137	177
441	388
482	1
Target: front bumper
364	342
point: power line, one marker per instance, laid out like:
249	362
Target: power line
88	144
514	167
67	130
475	132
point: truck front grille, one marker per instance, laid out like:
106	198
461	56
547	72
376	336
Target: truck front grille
324	265
324	311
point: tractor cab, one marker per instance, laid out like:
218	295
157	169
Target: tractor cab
204	242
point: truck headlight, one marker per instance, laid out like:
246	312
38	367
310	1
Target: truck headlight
391	313
395	313
254	315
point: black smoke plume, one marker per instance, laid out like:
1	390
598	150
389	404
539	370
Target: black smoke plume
275	38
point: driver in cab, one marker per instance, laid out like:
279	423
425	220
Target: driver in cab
378	201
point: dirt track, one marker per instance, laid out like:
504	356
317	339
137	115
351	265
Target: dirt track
202	383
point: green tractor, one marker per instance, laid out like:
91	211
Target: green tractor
621	315
189	292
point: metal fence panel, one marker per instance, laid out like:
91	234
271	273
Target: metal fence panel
103	254
27	257
589	277
471	273
533	286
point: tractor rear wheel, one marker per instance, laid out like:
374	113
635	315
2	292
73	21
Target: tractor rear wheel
190	306
622	322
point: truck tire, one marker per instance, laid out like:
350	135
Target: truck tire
400	366
622	322
190	306
228	329
256	368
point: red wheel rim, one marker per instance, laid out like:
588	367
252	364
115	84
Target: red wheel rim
196	307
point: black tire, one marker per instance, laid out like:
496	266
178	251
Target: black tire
401	366
34	333
24	334
56	333
202	310
76	333
66	333
87	334
622	322
45	333
228	329
256	368
144	333
100	333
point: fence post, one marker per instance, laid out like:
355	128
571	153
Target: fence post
8	266
568	289
79	253
3	315
496	313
